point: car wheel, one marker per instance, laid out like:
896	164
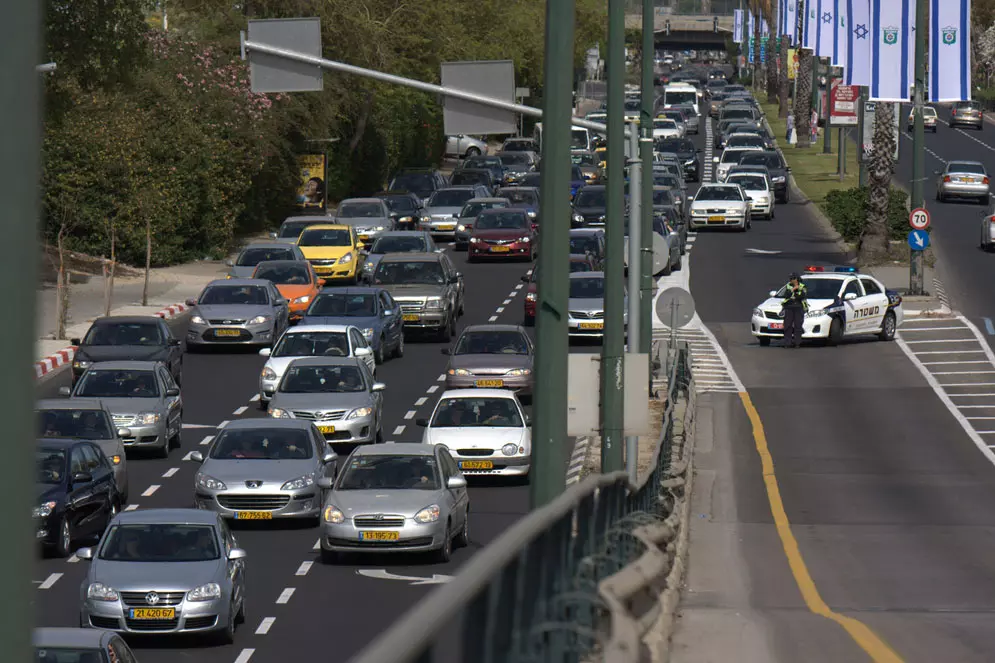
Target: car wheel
263	405
470	257
443	333
888	327
472	152
240	615
764	341
835	332
115	507
399	350
64	544
463	538
378	353
163	451
452	325
445	553
379	436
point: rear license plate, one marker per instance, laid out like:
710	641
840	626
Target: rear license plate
379	536
592	325
364	238
476	465
716	218
227	332
445	227
500	249
490	383
153	613
410	317
325	430
777	325
253	515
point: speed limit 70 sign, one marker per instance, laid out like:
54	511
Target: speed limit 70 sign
919	219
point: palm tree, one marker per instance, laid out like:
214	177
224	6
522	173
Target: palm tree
803	98
782	79
873	245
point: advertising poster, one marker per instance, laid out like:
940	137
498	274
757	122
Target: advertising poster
311	194
793	63
843	104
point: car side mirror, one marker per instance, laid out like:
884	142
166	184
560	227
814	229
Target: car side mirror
772	293
82	477
325	483
787	169
191	302
77	341
124	432
363	352
229	263
65	391
174	342
378	386
237	553
446	351
272	235
279	302
456	482
172	392
528	420
422	422
265	352
849	297
84	553
329	457
196	456
715	159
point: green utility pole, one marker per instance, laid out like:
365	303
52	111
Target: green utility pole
827	138
646	154
862	171
815	95
916	275
549	431
20	34
612	399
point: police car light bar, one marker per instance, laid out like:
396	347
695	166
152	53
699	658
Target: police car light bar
840	268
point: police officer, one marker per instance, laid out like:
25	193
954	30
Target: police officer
794	305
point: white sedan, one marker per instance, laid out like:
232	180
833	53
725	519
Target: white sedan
485	430
842	304
720	205
760	191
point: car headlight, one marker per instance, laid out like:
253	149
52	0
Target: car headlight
601	218
525	240
461	227
268	373
360	412
115	459
332	515
197	320
459	371
519	371
101	592
277	413
209	483
259	320
757	313
299	483
429	514
509	449
208	592
44	510
426	219
377	229
346	259
302	300
578	218
433	304
147	418
532	214
405	219
81	363
815	314
474	240
778	180
368	333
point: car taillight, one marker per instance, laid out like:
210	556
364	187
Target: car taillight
953	112
991	220
946	178
984	180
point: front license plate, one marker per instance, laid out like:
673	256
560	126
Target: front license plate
476	465
500	249
253	515
379	536
227	332
777	325
153	613
325	430
410	317
490	383
592	325
364	238
716	218
445	227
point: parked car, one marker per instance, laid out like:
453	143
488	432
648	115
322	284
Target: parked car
295	280
127	337
243	266
237	312
370	309
428	288
464	147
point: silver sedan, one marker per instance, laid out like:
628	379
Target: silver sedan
396	498
261	469
963	179
237	312
586	306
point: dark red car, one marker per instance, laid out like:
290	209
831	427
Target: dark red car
579	262
503	233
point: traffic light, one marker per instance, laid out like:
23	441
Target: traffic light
715	24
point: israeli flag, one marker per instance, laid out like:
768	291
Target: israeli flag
892	49
810	24
764	30
840	33
857	70
825	36
949	50
789	21
749	37
737	26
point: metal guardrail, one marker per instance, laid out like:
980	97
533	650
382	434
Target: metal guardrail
535	594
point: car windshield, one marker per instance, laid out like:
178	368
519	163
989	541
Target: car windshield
633	105
263	444
79	424
745	141
51	466
514	159
471	210
284	274
662	197
579	138
817	288
466	178
532	179
676	114
962	167
673	97
160	542
931	112
337	304
519	196
420	183
518	146
451	198
359	211
252	257
118	383
749	182
664	123
583	159
71	655
322	380
722	193
312	344
383	472
583	245
399	203
487	163
482	412
769	160
675	145
592	287
399	244
491	343
666	179
326	237
731	113
124	333
732	156
501	221
588	198
293	229
416	272
252	295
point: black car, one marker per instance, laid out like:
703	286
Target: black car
422	182
491	163
589	241
76	496
779	170
686	152
405	208
128	338
589	206
471	176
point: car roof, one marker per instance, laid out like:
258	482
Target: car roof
167	516
265	245
238	282
586	275
361	200
534	189
478	393
491	327
307	218
396	449
69	404
307	327
127	319
965	162
326	361
719	185
124	365
282	263
496	211
493	199
59	442
398	193
70	638
329	226
595	187
461	187
402	233
353	289
267	422
583	232
411	257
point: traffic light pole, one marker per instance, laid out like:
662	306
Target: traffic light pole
646	154
612	367
916	268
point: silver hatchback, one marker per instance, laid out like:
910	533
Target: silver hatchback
963	179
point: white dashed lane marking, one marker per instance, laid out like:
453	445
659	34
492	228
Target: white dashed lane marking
255	397
265	625
244	655
493	318
150	491
49	581
239	410
410	414
131	507
420	401
434	388
399	430
304	568
170	472
207	440
285	595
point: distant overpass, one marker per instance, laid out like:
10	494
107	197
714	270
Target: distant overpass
686	31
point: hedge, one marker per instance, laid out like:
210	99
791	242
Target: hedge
847	210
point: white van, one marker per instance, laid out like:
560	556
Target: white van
681	93
580	138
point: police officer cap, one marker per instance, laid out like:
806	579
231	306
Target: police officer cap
795	276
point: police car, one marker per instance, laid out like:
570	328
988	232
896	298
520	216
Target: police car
842	303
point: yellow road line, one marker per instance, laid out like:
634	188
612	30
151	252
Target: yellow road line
869	641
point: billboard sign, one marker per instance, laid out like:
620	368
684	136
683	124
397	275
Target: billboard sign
311	192
489	78
843	104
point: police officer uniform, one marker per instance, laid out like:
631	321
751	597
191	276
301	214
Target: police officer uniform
794	305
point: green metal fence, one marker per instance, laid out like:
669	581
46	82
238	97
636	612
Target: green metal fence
531	596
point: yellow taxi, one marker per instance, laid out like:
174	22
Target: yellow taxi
333	251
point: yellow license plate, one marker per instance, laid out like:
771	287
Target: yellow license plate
716	218
967	179
500	249
490	383
325	430
379	536
153	613
227	332
445	227
253	515
410	317
476	465
592	325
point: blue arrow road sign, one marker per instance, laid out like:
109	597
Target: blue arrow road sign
918	240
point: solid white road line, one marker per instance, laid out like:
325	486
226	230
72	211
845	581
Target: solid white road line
939	363
519	286
150	491
399	429
952	352
265	625
285	595
410	414
244	655
49	581
170	472
304	568
239	410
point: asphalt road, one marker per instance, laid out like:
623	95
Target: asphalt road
892	504
295	603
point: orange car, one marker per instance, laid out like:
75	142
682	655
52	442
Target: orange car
296	281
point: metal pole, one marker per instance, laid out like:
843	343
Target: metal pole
612	367
827	138
646	154
20	110
862	165
916	275
549	430
635	272
841	153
